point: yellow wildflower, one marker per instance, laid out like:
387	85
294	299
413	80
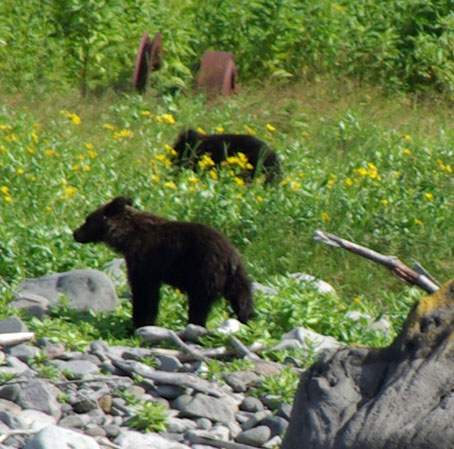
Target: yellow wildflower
305	134
238	181
325	217
109	127
269	127
2	149
74	118
92	154
34	137
418	222
384	202
406	152
206	162
87	168
259	199
145	113
20	171
170	150
155	178
4	190
249	130
123	134
219	129
48	209
294	186
193	179
49	152
7	199
407	138
213	174
170	185
31	150
356	299
201	130
166	118
428	196
348	181
11	138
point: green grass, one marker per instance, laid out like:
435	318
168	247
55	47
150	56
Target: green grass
369	167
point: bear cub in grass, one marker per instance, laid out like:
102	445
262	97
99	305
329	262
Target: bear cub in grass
191	146
193	257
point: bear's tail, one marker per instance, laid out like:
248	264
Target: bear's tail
238	292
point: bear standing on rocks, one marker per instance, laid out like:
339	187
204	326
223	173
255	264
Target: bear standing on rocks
193	257
191	146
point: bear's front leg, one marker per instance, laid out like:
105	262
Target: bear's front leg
145	303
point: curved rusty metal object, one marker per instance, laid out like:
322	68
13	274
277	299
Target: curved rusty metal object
218	73
149	57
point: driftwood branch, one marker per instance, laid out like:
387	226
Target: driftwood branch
402	271
15	338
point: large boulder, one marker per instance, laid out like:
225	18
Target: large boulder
398	397
84	289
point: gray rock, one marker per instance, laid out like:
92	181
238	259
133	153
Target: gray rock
74	421
257	287
54	437
153	335
137	440
204	406
254	437
193	332
36	420
37	395
229	327
251	404
9	392
79	368
319	285
169	391
179	425
284	411
84	289
12	324
273	443
255	419
277	425
241	380
169	363
23	352
32	304
312	341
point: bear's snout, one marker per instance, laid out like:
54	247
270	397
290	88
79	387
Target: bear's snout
79	236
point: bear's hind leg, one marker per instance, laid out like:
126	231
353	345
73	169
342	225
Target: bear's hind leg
199	308
145	304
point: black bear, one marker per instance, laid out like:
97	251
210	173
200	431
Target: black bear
193	257
190	147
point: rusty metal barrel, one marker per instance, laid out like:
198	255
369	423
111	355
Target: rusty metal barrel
218	73
149	57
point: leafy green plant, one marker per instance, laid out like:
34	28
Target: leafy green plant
149	417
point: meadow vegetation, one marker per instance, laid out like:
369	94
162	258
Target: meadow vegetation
349	98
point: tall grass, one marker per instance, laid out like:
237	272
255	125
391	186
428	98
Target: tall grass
92	44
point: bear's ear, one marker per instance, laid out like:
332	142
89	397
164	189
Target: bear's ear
192	137
116	206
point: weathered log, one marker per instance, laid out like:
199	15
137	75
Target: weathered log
397	267
398	397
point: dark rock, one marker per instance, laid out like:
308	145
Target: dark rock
398	397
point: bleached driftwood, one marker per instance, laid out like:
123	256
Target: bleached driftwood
402	271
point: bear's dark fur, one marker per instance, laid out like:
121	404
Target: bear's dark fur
193	257
191	146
